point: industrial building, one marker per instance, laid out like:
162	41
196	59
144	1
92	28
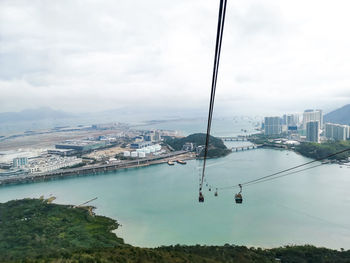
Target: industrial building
139	145
62	152
82	145
152	136
142	152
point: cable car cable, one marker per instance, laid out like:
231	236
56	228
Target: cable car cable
269	179
286	170
220	29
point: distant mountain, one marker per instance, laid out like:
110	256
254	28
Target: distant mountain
44	113
341	115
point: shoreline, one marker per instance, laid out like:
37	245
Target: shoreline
97	169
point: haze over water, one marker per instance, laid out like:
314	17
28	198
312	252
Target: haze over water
158	205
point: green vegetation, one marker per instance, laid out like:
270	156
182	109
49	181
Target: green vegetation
216	147
308	149
32	230
321	150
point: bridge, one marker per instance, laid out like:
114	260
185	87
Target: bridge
246	148
235	138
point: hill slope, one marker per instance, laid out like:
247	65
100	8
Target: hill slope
32	230
216	147
32	227
341	115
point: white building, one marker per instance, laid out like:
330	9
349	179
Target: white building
313	115
20	162
52	163
336	131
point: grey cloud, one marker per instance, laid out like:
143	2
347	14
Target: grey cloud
81	55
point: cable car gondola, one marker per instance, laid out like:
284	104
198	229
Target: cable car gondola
238	197
201	197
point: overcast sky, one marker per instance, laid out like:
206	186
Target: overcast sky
93	55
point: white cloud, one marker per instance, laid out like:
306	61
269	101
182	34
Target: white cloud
95	55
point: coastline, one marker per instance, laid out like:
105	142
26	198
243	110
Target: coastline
97	169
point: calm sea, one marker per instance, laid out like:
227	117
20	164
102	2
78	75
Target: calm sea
158	205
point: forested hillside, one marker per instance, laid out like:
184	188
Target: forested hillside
216	147
32	230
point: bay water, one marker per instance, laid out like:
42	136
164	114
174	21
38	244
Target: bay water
158	205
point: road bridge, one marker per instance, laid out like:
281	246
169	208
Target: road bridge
234	138
246	148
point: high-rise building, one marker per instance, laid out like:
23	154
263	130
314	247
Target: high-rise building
313	115
336	131
273	125
157	136
312	131
290	119
20	162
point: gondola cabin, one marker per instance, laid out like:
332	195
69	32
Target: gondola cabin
201	197
238	198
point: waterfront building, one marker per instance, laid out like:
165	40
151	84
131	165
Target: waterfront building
336	131
272	125
312	131
20	162
48	164
313	115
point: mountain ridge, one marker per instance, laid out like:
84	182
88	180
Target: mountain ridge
340	115
33	115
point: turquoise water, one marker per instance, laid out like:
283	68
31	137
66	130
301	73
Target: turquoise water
220	126
158	205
